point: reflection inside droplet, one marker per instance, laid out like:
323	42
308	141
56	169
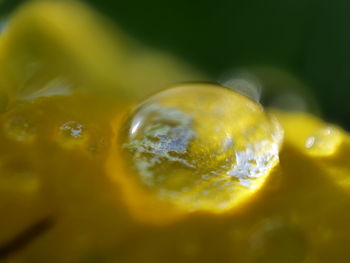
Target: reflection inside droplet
200	146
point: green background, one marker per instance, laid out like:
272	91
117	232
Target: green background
308	39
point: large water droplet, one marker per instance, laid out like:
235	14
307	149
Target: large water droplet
20	129
324	141
200	146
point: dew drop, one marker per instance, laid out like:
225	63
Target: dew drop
324	141
72	133
209	140
20	129
72	129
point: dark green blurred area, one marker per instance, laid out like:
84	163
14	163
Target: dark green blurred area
308	39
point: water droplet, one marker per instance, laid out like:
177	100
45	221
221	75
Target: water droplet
20	129
216	143
72	133
72	129
324	141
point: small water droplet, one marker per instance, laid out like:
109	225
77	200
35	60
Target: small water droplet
72	133
72	129
324	141
20	129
